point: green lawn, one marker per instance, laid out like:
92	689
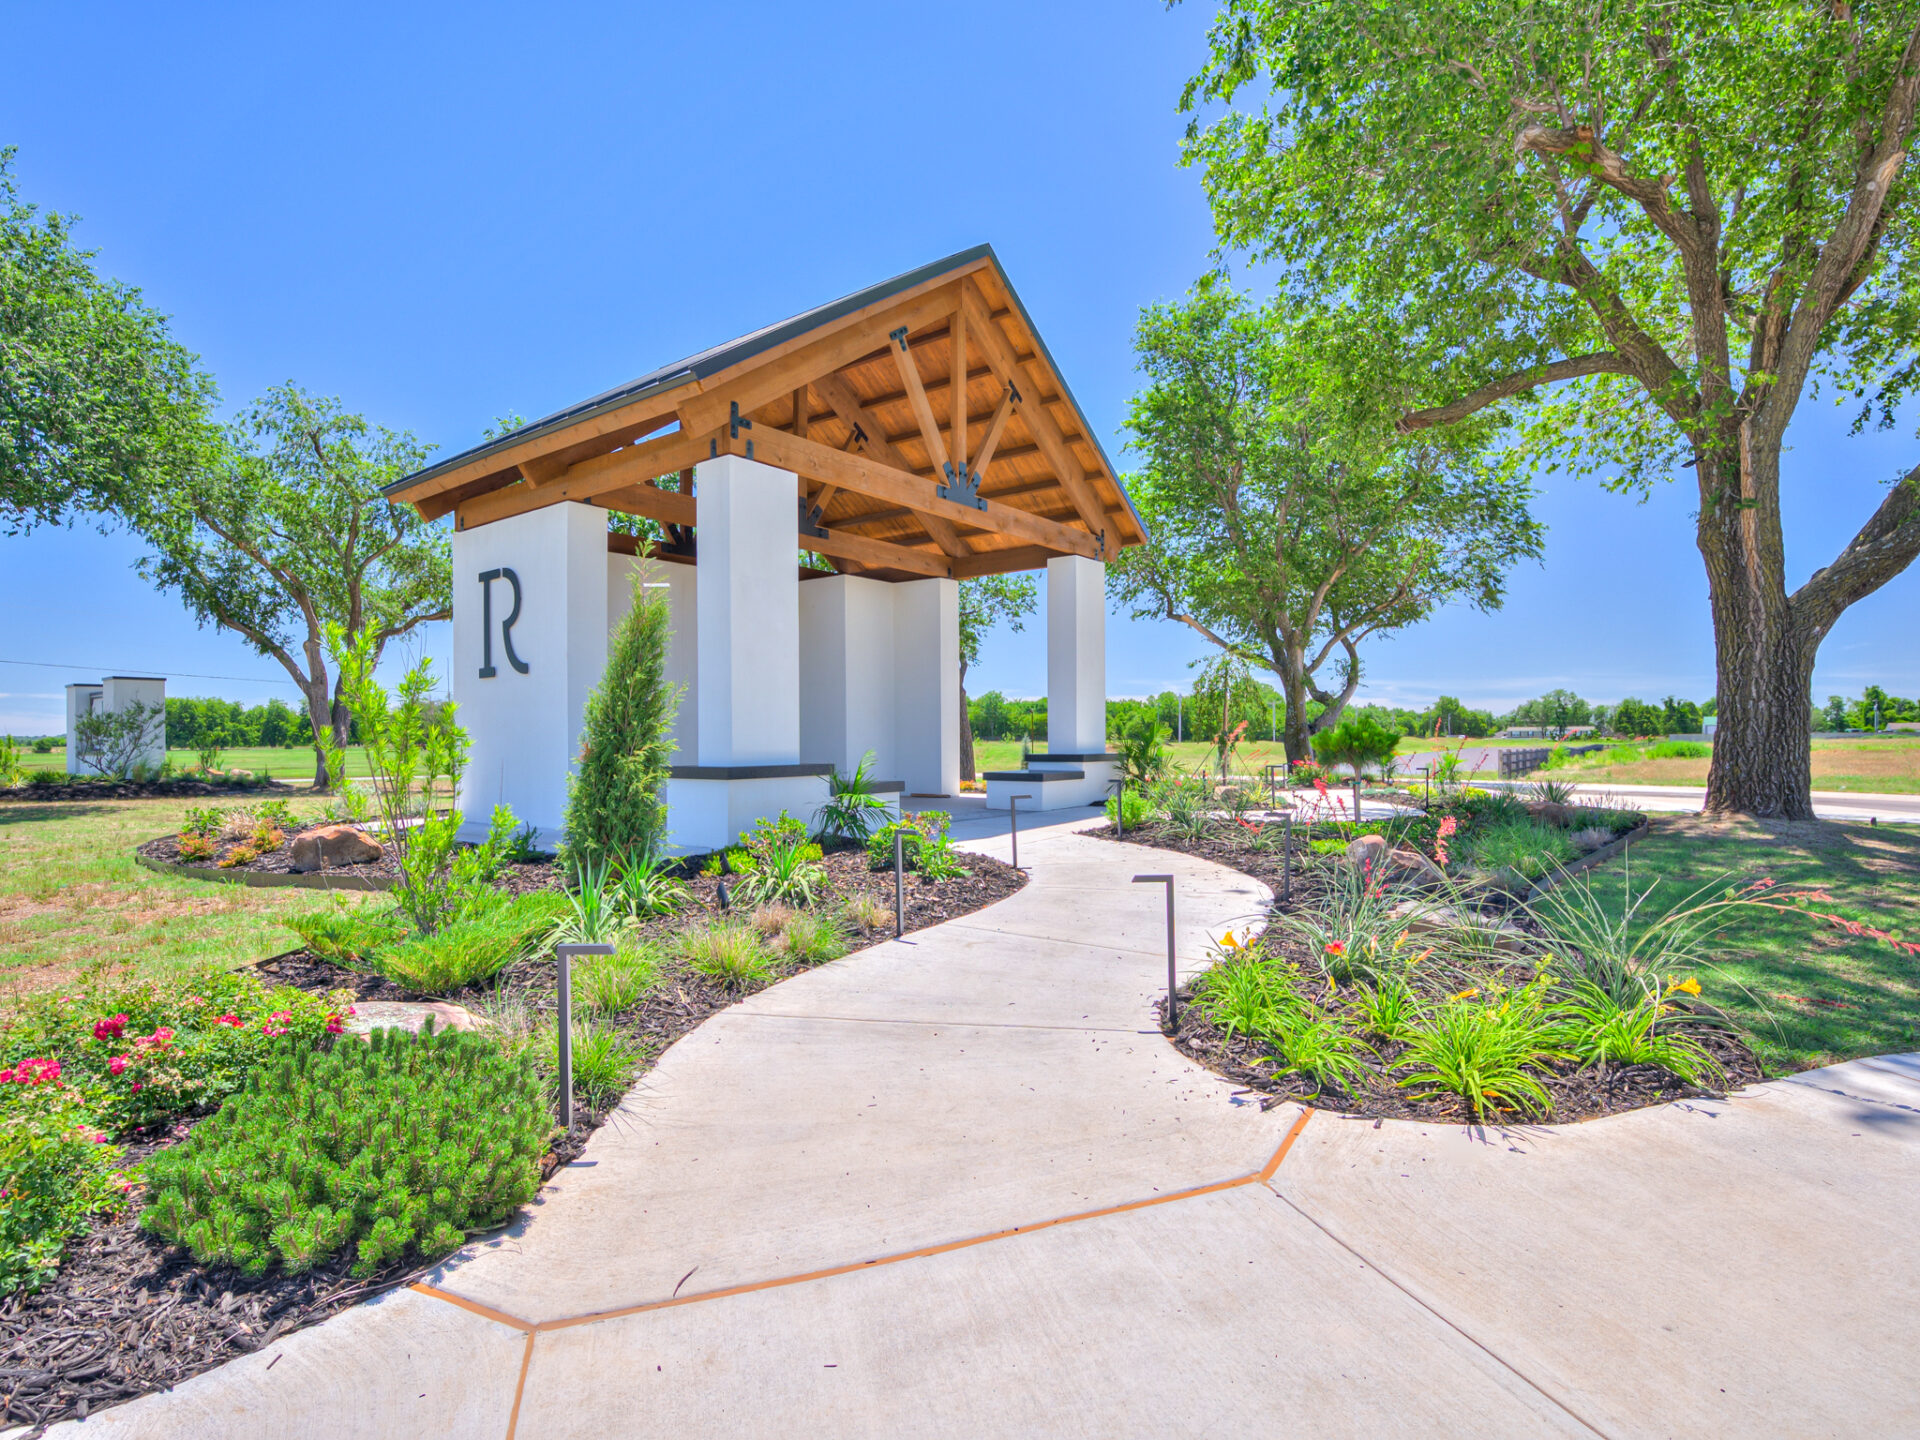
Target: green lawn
1808	994
72	901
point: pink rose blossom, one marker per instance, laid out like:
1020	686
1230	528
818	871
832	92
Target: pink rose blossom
117	1064
111	1028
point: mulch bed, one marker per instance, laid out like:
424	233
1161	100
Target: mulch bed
1576	1092
142	790
128	1314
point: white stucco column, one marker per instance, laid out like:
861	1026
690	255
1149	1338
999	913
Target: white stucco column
530	614
747	585
926	695
846	673
1076	654
676	581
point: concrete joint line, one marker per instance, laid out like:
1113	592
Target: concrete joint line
1849	1095
533	1328
1458	1329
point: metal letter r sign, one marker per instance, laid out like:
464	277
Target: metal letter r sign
487	577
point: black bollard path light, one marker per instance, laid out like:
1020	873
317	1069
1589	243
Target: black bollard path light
563	956
1173	1003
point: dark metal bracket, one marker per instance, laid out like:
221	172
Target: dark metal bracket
810	519
899	337
962	487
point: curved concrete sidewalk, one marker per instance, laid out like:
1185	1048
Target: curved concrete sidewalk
960	1185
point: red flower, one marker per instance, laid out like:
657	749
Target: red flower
335	1025
137	1087
234	1020
112	1028
33	1072
1334	947
117	1064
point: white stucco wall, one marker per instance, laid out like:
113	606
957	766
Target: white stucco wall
926	680
846	673
747	584
677	582
525	728
1076	654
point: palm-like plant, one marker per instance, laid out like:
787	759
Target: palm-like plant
1143	753
853	806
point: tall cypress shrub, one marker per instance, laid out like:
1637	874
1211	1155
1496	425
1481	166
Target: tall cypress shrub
617	802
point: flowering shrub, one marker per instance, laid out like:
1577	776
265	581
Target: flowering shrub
147	1052
56	1172
405	1143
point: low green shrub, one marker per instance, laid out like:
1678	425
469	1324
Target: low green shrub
917	830
403	1144
469	951
786	872
611	983
812	938
604	1062
1138	809
728	953
1649	1030
1483	1045
348	935
1527	847
57	1173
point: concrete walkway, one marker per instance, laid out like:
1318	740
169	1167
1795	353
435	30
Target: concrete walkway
960	1185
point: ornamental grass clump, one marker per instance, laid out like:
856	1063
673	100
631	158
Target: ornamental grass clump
404	1144
730	954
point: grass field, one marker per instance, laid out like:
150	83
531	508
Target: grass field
295	766
1807	993
1887	767
73	902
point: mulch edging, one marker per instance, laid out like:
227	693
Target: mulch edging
142	790
1577	1093
128	1314
263	879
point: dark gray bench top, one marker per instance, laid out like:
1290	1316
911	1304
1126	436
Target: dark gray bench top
1038	776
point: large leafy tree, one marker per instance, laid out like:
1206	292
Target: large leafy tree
1287	521
284	531
986	601
97	404
1667	220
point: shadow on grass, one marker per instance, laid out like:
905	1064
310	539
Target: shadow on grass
1817	995
27	813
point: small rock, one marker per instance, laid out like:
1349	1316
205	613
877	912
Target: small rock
410	1015
331	845
1431	918
1366	850
1406	858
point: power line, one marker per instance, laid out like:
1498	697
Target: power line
183	674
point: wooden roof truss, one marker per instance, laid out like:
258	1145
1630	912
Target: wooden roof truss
928	431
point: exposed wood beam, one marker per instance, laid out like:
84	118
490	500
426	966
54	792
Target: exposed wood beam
652	502
1000	562
636	464
754	388
1045	430
800	409
838	545
994	429
835	390
900	512
909	370
641	417
867	476
957	392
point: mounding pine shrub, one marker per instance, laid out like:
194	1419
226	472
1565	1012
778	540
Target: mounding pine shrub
617	802
402	1144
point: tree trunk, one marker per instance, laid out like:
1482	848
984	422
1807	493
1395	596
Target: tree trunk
966	729
1763	663
1295	735
320	719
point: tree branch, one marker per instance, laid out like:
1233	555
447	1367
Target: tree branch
1886	545
1599	363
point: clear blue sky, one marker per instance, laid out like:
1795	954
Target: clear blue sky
444	213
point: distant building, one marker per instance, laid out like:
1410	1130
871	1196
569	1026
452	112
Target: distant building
110	697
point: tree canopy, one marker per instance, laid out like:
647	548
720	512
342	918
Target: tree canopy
1677	216
284	531
98	405
1288	521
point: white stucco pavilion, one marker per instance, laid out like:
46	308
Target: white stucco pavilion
814	516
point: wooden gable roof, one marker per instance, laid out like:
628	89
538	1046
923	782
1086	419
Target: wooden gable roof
857	398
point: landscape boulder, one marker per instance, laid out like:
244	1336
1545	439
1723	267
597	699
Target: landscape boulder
1552	812
330	845
1399	862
